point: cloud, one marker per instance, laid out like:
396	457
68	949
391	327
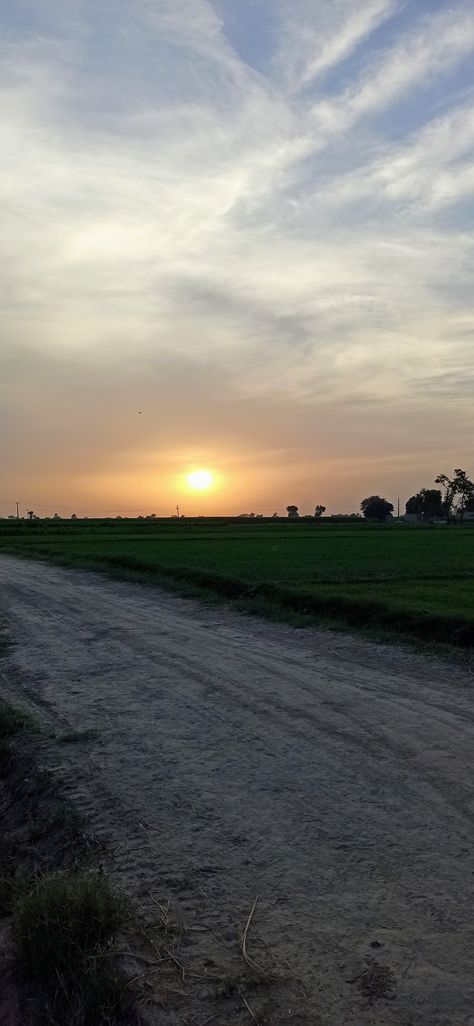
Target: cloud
430	169
429	50
315	39
167	204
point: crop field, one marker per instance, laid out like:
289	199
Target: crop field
414	579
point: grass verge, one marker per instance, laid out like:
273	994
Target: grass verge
295	606
65	931
61	919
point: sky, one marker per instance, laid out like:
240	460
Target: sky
236	236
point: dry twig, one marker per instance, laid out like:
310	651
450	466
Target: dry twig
243	947
249	1010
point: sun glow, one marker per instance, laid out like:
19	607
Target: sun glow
200	479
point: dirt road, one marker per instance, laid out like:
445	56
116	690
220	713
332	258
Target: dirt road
330	776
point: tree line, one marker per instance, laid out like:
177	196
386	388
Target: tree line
454	498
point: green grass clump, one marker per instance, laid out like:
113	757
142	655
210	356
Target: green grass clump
65	931
64	920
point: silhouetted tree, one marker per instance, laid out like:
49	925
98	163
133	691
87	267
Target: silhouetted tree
460	485
292	512
376	508
449	492
464	490
319	510
30	514
426	504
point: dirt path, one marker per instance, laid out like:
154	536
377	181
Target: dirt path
328	775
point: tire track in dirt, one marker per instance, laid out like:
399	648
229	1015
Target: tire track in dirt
249	758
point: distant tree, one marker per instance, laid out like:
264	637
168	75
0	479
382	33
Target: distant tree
319	510
464	491
56	516
292	512
459	485
73	516
426	504
449	493
274	516
413	506
376	508
30	514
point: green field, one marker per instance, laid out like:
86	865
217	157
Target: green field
415	579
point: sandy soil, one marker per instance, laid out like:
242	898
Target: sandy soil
330	776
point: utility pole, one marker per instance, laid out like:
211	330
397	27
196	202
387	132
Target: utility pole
18	511
398	508
177	511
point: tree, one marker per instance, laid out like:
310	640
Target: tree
376	508
426	504
30	514
449	492
465	491
319	510
460	485
413	506
292	512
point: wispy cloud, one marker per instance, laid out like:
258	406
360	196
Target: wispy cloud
167	200
432	169
429	49
315	38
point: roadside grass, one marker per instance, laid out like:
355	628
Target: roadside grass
326	605
392	581
65	930
63	916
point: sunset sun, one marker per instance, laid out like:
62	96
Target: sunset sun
200	479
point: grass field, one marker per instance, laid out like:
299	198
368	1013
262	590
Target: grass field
414	579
